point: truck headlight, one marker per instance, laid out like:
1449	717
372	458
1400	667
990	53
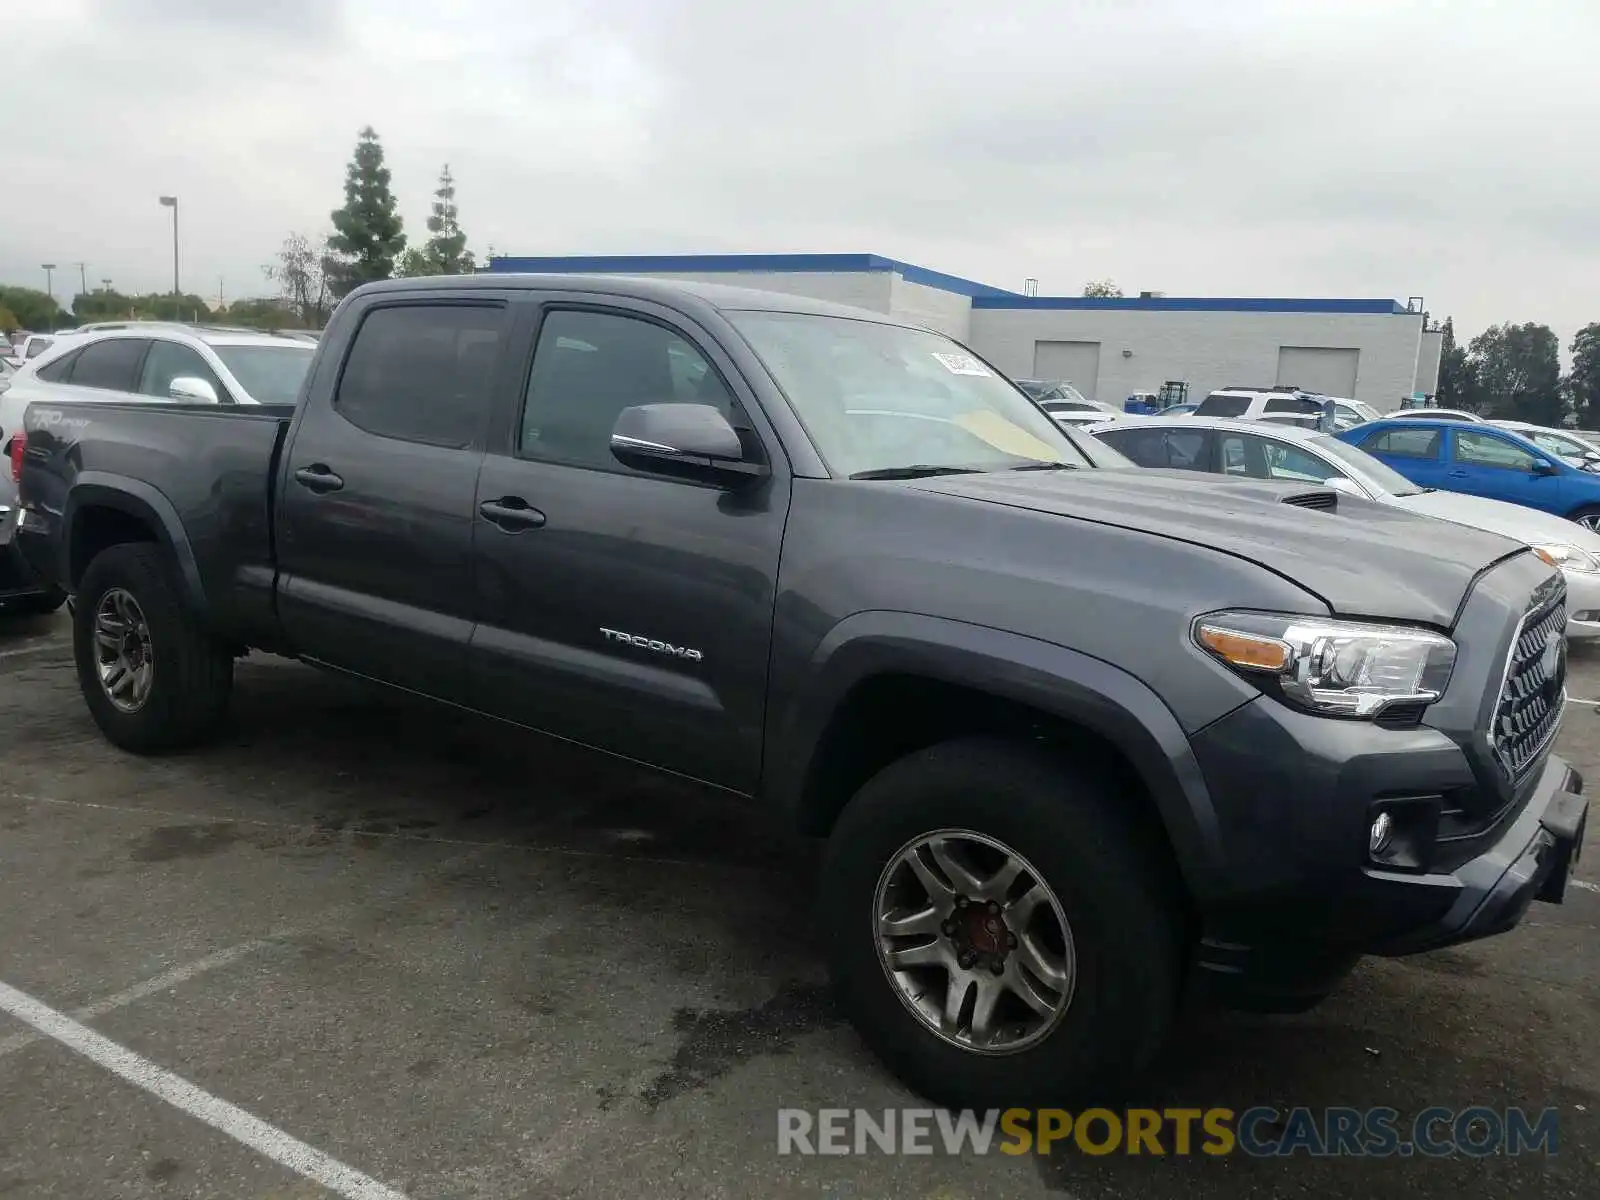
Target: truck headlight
1335	668
1568	558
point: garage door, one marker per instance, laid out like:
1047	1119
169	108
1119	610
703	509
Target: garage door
1325	369
1076	362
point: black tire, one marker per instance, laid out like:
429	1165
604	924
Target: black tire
1116	890
40	604
1588	517
193	676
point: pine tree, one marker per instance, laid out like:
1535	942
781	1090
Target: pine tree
447	247
368	232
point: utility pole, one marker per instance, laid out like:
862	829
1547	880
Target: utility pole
172	203
50	290
83	277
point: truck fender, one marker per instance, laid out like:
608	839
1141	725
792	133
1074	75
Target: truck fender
100	489
1075	687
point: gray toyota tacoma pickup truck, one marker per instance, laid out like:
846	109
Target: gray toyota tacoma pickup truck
1078	739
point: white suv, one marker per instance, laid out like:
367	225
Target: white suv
152	361
1284	406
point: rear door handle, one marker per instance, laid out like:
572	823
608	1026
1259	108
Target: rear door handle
511	513
318	478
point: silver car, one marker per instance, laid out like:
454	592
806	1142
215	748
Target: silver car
155	361
1253	449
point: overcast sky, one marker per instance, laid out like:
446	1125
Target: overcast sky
1199	147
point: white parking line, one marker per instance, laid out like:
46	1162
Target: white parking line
244	1128
156	983
39	649
1586	885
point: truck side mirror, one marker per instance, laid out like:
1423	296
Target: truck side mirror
691	441
192	390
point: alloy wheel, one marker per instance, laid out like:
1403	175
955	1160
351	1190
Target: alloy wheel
124	660
974	941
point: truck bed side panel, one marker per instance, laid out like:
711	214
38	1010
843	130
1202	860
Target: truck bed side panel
205	474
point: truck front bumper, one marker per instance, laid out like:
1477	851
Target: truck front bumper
1302	897
1532	860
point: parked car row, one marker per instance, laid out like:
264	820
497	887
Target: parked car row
1257	450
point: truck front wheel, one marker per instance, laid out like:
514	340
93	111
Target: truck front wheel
152	675
1001	929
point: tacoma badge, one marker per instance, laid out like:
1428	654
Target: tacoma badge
660	647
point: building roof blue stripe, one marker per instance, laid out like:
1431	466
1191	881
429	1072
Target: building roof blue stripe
983	295
1195	304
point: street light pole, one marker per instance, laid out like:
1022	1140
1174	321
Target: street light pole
50	290
172	203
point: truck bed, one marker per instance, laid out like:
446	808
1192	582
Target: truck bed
205	474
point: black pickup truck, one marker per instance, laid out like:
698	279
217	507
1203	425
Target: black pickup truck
1078	738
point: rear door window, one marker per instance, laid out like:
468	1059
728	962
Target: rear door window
1183	449
1218	405
1293	404
423	372
112	364
1404	443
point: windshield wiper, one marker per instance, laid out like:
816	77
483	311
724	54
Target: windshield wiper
1046	466
915	471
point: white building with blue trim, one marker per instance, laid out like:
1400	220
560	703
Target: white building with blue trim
1377	351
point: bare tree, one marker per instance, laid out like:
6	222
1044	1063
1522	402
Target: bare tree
301	273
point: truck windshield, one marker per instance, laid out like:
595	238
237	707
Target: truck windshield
271	374
880	399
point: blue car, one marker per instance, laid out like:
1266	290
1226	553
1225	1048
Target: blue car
1482	460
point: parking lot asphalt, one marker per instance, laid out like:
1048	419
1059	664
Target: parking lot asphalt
454	960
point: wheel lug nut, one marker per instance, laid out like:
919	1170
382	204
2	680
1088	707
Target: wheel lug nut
967	958
961	901
1011	941
998	967
993	907
948	928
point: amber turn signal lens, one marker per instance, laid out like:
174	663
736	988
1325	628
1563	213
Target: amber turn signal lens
1245	649
1546	555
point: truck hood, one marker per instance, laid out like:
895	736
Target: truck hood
1360	558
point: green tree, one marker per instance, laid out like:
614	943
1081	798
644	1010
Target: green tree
1583	382
1102	288
368	232
1518	372
1458	382
34	310
445	252
8	321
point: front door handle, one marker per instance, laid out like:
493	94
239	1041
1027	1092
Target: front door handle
318	478
511	513
1458	474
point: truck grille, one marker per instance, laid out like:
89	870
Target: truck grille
1534	692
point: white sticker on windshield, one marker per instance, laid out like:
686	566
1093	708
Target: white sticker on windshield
962	364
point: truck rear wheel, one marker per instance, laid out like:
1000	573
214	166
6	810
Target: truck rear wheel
1002	932
153	677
